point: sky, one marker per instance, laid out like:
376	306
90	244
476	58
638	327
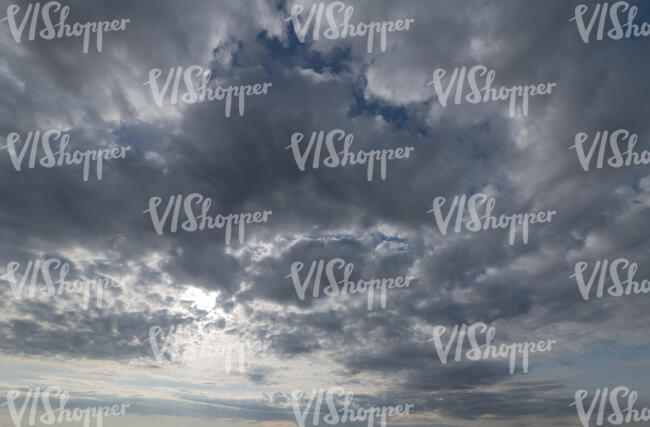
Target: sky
235	339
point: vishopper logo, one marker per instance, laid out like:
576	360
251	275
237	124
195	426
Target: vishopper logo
196	80
488	350
61	157
486	93
179	346
60	29
616	417
344	157
615	269
195	222
344	286
477	222
56	416
46	268
338	11
350	412
600	14
603	140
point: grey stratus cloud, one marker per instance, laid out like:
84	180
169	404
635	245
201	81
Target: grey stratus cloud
242	163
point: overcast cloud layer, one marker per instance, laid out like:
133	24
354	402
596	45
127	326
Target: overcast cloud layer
240	293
